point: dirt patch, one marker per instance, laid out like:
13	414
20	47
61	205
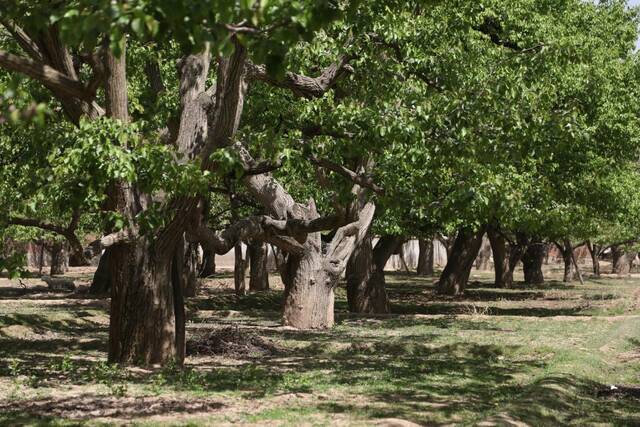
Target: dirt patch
231	341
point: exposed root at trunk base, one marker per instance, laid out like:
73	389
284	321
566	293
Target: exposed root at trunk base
231	341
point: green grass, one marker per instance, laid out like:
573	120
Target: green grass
538	355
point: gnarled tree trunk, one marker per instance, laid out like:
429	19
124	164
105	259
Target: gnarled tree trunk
366	287
621	261
425	257
258	275
532	262
501	259
455	275
59	259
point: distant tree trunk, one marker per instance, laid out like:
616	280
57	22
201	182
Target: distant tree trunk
259	275
425	257
208	263
59	259
484	255
455	275
594	251
621	261
366	287
532	262
501	259
239	270
566	249
41	259
101	282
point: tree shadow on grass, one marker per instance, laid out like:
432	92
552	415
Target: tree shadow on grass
89	406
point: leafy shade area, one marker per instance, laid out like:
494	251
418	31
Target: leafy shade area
542	355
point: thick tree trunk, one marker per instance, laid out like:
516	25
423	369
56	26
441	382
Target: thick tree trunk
101	283
309	296
366	287
208	263
455	275
259	275
501	259
532	262
239	270
425	257
147	319
310	276
484	255
621	261
59	259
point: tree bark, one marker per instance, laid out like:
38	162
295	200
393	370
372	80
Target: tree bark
455	275
425	257
484	255
208	263
501	259
594	251
532	262
101	283
239	270
259	275
567	257
146	299
366	287
190	270
621	261
59	259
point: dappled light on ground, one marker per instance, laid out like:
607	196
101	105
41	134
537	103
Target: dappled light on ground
536	355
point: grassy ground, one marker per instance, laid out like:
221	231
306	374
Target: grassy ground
538	355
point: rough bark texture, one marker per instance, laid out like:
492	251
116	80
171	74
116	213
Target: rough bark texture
59	259
621	261
532	262
142	328
259	275
455	275
366	287
425	257
101	283
310	276
190	270
501	258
